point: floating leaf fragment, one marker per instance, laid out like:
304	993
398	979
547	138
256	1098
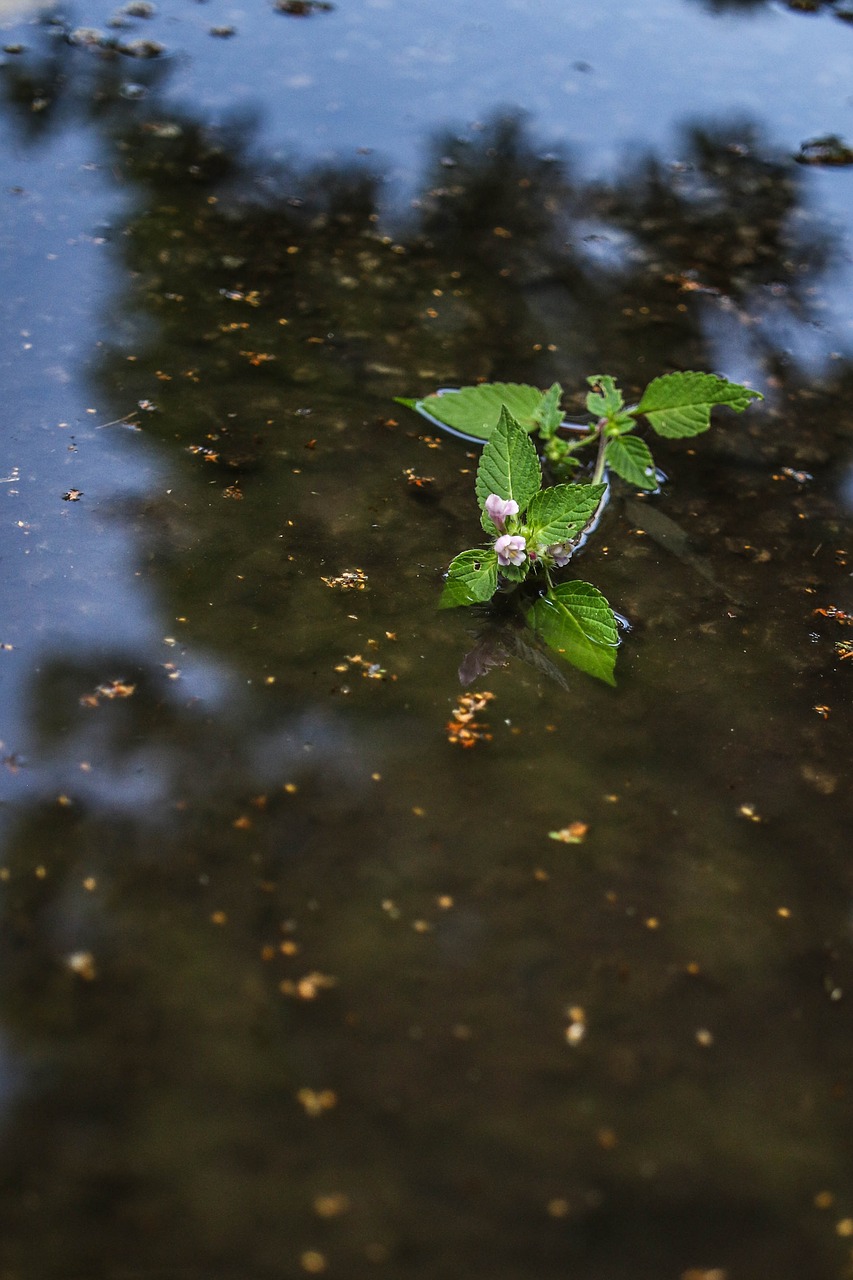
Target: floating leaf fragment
574	833
317	1101
462	729
349	580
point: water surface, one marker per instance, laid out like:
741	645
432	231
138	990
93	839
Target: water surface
292	984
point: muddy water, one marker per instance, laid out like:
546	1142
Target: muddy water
292	984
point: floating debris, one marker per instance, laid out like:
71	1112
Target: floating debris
369	670
317	1101
349	580
574	833
73	495
309	987
837	615
331	1205
828	150
113	689
462	729
83	964
302	8
576	1030
420	484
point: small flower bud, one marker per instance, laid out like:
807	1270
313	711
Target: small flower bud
497	509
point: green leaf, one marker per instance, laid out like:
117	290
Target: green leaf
679	404
508	466
548	414
575	619
560	513
630	457
471	579
477	410
607	400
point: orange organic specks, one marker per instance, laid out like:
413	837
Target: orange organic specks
574	833
315	1101
462	728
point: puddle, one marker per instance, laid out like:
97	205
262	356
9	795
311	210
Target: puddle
292	981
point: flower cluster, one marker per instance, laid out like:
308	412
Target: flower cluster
511	545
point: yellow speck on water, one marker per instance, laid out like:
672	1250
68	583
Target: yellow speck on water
445	901
291	788
312	1262
90	884
309	987
558	1207
376	777
844	1227
418	811
422	926
41	873
376	1252
698	1273
652	922
704	1038
748	811
576	1030
83	964
331	1205
606	1139
784	913
289	948
218	917
541	874
824	1200
316	1101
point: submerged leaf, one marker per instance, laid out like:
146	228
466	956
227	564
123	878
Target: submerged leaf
471	579
679	404
476	411
576	620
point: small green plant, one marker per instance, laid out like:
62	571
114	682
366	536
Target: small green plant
535	529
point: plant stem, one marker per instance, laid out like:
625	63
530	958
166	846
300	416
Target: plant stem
602	449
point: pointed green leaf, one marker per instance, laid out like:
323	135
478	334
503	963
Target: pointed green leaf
679	404
548	414
560	513
477	410
508	466
575	619
471	579
607	400
630	457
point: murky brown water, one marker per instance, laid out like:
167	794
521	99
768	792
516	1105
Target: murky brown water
291	984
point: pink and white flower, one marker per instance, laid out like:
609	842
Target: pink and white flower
511	549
